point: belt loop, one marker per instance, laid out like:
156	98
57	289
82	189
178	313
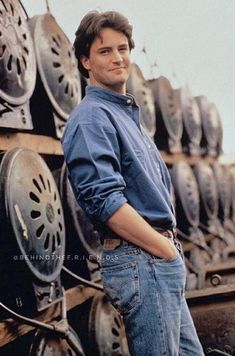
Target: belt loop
125	243
174	232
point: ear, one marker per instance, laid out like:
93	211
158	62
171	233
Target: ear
85	62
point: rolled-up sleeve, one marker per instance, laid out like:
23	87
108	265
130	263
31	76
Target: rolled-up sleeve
92	155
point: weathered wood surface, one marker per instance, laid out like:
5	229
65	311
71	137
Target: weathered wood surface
37	143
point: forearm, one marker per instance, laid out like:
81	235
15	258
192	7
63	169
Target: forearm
127	223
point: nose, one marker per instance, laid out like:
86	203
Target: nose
117	57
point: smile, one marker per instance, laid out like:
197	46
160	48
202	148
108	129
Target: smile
118	68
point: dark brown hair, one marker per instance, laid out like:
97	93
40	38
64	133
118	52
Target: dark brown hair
90	28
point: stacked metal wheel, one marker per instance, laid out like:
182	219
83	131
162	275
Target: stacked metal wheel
168	116
188	217
192	131
58	88
211	142
225	200
32	225
232	181
187	196
106	330
17	67
209	205
138	86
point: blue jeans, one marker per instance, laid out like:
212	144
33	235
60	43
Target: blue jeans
149	293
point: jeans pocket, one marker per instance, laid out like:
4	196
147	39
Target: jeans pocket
121	285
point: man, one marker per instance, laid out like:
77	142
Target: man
121	182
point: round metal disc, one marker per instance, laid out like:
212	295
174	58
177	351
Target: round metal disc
168	101
87	234
137	86
49	344
211	122
207	188
106	329
17	57
191	115
224	188
186	189
57	64
34	210
232	177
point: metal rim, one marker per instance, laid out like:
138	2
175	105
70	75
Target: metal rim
106	328
57	64
17	57
169	104
137	85
211	122
223	186
187	190
232	175
207	188
34	211
191	115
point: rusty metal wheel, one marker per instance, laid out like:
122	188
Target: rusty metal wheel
33	212
211	126
166	99
192	132
208	190
106	329
137	86
56	63
223	181
17	57
48	344
232	177
224	189
187	195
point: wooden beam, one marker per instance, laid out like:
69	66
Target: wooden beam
38	143
192	160
213	292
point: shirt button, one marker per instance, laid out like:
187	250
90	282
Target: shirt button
128	101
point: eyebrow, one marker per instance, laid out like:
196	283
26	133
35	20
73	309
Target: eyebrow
109	47
102	48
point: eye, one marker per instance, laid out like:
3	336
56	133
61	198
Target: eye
123	49
104	51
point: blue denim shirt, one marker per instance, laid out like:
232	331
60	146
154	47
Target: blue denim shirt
111	160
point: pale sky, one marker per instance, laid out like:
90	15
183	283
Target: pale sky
192	42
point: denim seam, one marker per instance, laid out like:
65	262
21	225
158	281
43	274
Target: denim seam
119	267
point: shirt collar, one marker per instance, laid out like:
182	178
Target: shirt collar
105	94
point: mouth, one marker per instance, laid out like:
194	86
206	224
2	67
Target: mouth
118	68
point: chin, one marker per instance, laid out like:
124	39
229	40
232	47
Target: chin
121	81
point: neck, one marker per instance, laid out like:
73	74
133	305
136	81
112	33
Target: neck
118	88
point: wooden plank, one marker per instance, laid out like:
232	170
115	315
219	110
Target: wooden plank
220	266
38	143
49	145
192	160
226	290
10	329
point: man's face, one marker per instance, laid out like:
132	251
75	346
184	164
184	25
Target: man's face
109	61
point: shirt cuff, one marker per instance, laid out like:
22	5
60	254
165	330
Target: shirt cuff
113	202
